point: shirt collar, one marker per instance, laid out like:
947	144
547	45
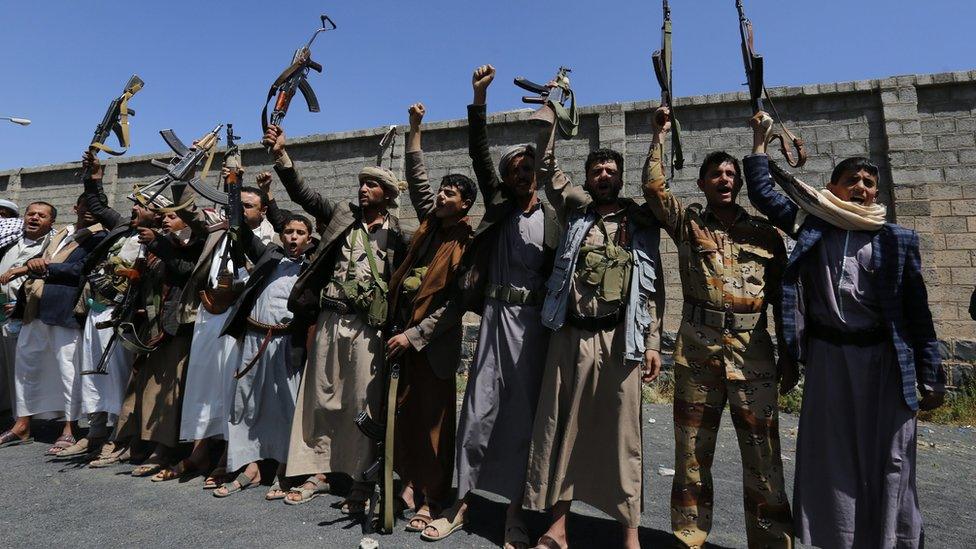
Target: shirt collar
740	213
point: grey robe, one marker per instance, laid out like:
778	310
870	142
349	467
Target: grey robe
855	466
495	427
262	402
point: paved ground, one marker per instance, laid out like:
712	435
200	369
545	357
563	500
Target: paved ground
50	504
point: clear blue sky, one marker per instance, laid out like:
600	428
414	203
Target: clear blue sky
208	62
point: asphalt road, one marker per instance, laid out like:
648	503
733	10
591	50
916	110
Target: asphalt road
50	504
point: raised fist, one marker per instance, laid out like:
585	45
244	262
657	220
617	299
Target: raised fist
417	112
264	181
90	162
482	77
274	138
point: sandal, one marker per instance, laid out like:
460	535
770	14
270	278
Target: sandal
110	455
10	438
356	505
146	470
63	442
424	518
320	488
275	493
183	469
215	479
545	542
516	536
83	447
443	527
241	483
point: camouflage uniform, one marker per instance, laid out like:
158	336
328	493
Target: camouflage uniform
723	357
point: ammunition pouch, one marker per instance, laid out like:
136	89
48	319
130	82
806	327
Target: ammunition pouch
514	296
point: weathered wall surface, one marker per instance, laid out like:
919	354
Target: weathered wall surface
920	129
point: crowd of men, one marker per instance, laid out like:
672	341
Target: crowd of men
234	370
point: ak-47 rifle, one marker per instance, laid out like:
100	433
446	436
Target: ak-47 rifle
555	97
220	298
382	433
753	63
116	120
662	69
180	171
295	78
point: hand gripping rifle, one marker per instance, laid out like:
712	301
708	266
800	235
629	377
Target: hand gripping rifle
382	433
661	60
220	298
556	97
180	171
116	120
295	78
753	63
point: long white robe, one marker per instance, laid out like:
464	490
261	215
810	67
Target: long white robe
102	393
44	372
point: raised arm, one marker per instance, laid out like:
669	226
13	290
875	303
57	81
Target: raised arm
418	183
94	194
275	214
562	194
484	171
313	203
780	210
667	208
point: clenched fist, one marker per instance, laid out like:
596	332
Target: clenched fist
480	81
417	112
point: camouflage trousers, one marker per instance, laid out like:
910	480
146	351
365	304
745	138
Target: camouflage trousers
700	394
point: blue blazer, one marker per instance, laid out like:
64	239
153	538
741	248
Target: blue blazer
904	300
63	283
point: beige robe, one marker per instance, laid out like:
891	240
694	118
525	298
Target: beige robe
586	441
340	380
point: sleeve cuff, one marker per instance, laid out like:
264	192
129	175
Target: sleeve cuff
284	161
416	340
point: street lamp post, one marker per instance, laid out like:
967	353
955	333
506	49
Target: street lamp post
15	120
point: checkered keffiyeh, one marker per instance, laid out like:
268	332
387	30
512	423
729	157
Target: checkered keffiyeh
10	230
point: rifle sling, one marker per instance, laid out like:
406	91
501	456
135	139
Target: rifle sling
282	78
123	123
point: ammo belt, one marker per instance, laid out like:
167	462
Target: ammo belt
700	315
859	338
514	296
596	323
341	306
269	331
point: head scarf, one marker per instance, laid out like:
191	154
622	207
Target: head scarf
826	205
387	180
10	230
10	205
510	154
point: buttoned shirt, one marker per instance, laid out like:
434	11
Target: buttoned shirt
733	269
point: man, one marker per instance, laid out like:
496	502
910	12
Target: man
604	303
206	305
429	340
103	288
8	209
14	254
730	264
342	293
855	312
45	369
154	397
506	267
267	369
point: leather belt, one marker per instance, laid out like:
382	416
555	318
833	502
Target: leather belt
699	315
860	338
513	296
269	330
340	306
596	323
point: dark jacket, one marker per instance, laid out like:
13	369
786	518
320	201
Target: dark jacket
339	218
266	258
499	206
896	259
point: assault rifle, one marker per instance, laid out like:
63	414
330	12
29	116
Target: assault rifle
555	97
226	291
662	69
295	78
382	433
753	63
180	170
116	120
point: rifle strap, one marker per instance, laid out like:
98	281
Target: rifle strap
123	123
386	490
785	136
567	120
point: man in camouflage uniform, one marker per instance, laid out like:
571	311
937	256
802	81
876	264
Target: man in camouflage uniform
730	265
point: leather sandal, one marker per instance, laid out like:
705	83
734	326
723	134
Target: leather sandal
444	527
320	488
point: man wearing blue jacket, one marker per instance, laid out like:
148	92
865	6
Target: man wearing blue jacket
855	312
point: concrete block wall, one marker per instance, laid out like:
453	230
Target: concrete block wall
920	130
